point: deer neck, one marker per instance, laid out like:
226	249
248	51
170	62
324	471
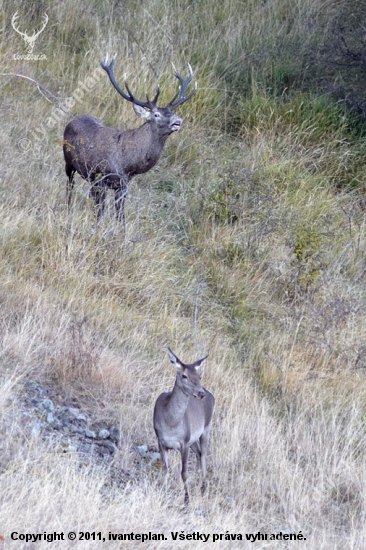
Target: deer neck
154	141
155	137
176	406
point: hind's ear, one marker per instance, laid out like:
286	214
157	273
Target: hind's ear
174	359
141	111
197	364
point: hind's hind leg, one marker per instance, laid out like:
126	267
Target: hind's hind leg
70	172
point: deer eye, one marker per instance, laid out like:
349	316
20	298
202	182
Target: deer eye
157	115
184	376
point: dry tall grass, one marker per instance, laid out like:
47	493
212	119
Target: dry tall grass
238	244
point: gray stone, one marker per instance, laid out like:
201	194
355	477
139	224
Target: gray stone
36	429
142	466
48	405
108	445
71	429
103	434
35	387
56	425
142	450
50	417
64	417
154	456
100	425
76	430
85	448
114	434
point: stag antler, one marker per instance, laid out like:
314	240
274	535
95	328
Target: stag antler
149	104
183	88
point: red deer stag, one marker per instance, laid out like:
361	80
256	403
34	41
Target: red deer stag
109	158
182	418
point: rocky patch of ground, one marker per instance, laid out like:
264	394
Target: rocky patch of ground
73	430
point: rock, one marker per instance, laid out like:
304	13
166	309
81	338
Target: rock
103	434
86	448
35	387
36	429
56	425
142	450
100	425
64	416
142	466
50	417
67	427
114	434
108	445
76	430
48	405
154	457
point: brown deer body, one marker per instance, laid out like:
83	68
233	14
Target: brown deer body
109	158
182	418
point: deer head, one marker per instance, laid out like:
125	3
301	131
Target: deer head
164	118
188	376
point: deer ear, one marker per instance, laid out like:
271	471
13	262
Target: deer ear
174	360
197	364
140	111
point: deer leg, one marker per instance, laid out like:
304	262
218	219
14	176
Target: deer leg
119	202
200	448
184	453
98	193
69	186
196	448
204	440
163	457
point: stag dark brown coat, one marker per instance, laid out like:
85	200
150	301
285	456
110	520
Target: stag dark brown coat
109	158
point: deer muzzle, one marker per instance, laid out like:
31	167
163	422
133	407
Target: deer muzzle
176	123
199	394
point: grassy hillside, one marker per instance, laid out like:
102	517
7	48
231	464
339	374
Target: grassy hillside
246	241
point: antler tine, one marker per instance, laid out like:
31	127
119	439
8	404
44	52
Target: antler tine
173	104
149	104
153	102
130	97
